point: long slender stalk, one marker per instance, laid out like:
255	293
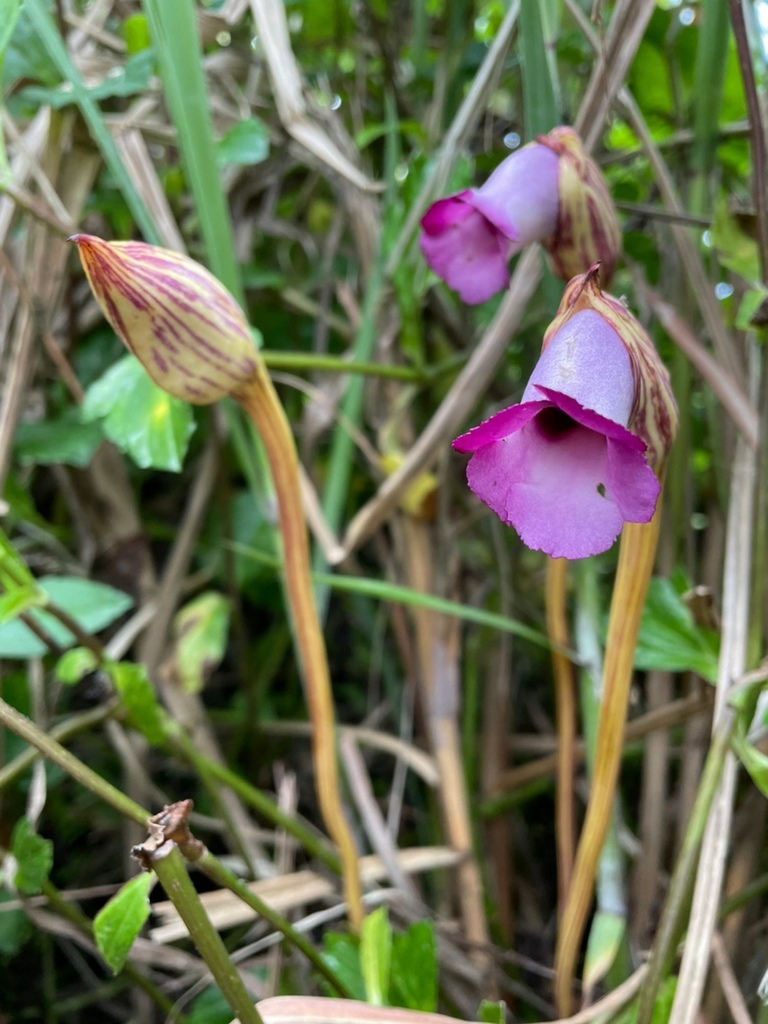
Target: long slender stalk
636	557
565	714
260	402
170	867
59	755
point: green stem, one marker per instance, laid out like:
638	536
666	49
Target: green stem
63	731
171	869
225	878
80	772
335	364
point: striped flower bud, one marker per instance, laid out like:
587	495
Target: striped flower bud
581	455
180	322
550	192
587	228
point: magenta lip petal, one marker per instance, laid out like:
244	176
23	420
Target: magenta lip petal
631	483
446	213
566	480
469	255
499	426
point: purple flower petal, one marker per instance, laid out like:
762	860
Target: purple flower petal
467	252
468	238
521	197
564	477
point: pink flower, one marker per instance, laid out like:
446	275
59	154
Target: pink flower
549	191
570	465
469	238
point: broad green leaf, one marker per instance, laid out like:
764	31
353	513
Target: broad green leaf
605	938
201	629
376	956
133	685
92	605
136	33
119	922
75	664
65	441
15	928
754	302
34	858
735	249
414	970
210	1007
143	421
492	1012
669	638
245	144
128	80
342	954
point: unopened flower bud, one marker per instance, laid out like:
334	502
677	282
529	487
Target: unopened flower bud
180	322
581	454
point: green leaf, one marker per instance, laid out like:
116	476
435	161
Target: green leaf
92	605
75	664
119	922
143	421
669	638
605	938
493	1012
66	441
376	956
735	249
128	80
132	683
33	855
342	954
136	33
15	928
245	144
414	970
201	629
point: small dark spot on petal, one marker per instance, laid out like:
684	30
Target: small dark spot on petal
601	490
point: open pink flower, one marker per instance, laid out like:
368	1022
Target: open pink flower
570	465
469	238
550	192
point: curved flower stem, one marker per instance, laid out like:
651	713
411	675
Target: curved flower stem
636	557
168	864
565	704
260	402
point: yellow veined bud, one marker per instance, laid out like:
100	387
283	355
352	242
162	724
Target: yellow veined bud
654	416
587	226
180	322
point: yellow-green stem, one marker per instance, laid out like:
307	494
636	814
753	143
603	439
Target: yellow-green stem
565	713
259	400
636	557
